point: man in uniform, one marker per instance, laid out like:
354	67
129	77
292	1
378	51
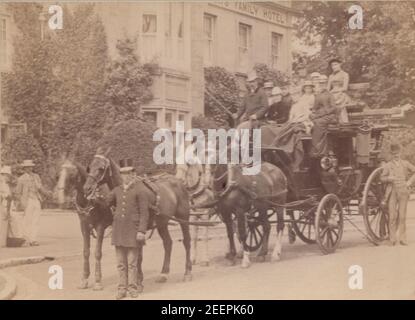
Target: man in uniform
29	192
395	173
130	224
323	113
254	106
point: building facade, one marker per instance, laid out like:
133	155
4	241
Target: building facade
184	38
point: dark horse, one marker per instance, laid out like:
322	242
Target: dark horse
171	200
250	194
94	216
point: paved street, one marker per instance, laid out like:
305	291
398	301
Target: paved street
303	273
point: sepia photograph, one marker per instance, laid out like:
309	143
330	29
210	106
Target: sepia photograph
207	151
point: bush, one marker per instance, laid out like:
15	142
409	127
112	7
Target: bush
133	139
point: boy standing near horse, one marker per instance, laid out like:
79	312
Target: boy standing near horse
130	223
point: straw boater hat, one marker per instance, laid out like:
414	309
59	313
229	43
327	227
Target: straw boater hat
276	91
28	163
268	84
315	75
126	165
308	83
6	170
322	78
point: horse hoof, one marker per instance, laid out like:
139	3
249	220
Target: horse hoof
83	285
187	277
204	264
245	265
261	258
98	287
161	278
240	255
230	256
276	258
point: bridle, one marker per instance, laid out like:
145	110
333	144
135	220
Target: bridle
98	180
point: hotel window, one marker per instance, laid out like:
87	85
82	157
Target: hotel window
276	40
174	31
3	42
180	31
209	25
150	116
168	119
245	38
149	39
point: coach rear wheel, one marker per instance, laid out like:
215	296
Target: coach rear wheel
329	223
303	225
374	208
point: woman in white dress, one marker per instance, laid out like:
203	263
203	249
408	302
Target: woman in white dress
301	110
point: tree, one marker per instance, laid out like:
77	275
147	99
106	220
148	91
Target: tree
128	84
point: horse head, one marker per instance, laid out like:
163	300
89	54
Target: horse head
102	170
70	179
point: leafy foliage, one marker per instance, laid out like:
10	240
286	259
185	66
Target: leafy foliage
267	74
223	86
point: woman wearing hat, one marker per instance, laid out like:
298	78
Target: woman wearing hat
337	85
29	191
302	109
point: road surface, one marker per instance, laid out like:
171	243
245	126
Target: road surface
303	273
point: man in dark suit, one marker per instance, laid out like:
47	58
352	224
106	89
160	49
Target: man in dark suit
280	108
323	113
254	105
128	230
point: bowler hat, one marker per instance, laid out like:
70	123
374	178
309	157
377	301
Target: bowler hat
126	165
336	59
28	163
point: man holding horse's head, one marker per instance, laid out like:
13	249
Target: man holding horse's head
131	216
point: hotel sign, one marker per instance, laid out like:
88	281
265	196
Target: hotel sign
254	10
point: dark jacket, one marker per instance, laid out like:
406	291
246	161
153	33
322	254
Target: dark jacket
324	110
131	213
280	111
254	103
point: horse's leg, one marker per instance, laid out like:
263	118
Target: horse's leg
98	256
267	229
276	254
186	244
205	251
227	219
163	231
86	237
195	237
241	218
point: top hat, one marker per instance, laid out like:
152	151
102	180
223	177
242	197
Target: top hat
268	84
28	163
6	170
252	76
126	165
395	148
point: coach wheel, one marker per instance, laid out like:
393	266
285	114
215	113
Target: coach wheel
374	208
303	225
255	232
329	223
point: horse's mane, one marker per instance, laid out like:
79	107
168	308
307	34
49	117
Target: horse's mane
116	176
